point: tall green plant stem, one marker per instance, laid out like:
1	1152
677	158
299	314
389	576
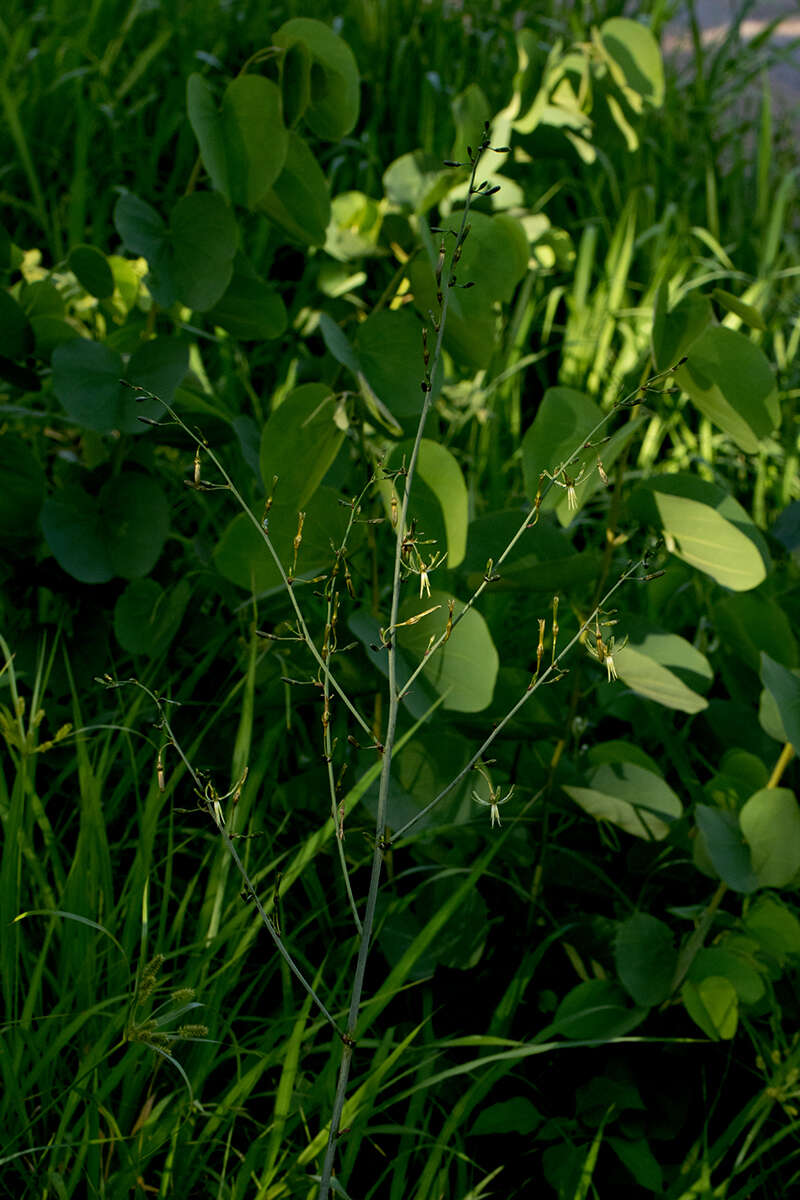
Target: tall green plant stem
394	700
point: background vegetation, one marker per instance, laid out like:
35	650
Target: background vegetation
238	211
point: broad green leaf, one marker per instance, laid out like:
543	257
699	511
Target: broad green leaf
662	666
120	532
730	380
135	517
146	618
464	669
706	528
636	800
159	366
562	423
634	59
419	702
470	110
641	1162
203	237
242	556
389	349
495	256
770	822
206	122
439	500
717	960
295	82
775	927
784	687
751	316
74	532
720	839
337	343
713	1005
243	147
299	442
753	622
334	102
21	488
249	310
517	1115
416	181
617	752
16	333
140	226
674	331
86	380
92	271
354	227
397	932
50	332
542	560
255	137
299	202
192	260
645	958
596	1010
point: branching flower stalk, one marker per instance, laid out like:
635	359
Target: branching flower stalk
211	804
548	481
202	485
329	648
445	285
550	675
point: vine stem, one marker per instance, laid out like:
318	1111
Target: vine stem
394	704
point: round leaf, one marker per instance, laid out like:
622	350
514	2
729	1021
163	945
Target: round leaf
706	528
16	334
713	1005
389	348
255	137
135	519
146	618
334	101
597	1010
74	532
636	800
21	488
721	840
86	379
770	822
158	366
92	271
299	442
249	310
299	201
203	242
634	58
730	380
465	668
645	958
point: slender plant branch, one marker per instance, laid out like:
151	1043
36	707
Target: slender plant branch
230	486
211	804
550	675
530	519
444	291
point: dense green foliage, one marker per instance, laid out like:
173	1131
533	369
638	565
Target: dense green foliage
225	229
